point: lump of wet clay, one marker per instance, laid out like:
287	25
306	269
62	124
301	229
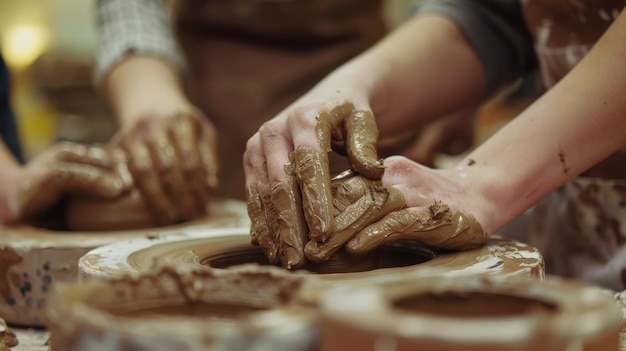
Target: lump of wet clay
7	336
126	212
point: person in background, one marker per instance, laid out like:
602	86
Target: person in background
227	67
450	56
29	190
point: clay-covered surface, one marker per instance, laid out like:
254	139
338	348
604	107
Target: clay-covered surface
498	256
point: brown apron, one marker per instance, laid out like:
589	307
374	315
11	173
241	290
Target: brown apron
565	30
249	59
581	227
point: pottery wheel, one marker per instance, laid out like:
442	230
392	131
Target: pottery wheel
255	307
243	308
499	256
33	259
472	313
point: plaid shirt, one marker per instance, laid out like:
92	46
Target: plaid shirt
134	26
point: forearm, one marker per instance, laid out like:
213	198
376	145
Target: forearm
423	70
141	85
8	164
10	172
573	126
138	60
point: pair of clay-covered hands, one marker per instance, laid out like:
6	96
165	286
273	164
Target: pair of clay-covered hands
299	214
170	160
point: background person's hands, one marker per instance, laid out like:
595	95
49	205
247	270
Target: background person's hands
33	189
173	162
170	146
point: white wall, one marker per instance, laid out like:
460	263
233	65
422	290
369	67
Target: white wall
68	25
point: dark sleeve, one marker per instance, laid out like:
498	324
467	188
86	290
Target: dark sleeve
496	31
8	127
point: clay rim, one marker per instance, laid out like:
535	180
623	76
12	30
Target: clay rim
580	311
225	213
500	256
107	305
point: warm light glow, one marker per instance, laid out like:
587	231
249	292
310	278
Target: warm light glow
22	44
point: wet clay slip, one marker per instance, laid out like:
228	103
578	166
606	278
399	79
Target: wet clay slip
407	260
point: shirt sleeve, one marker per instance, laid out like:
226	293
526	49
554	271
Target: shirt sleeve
133	26
496	31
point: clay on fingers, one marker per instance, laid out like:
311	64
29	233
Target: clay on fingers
353	133
173	181
330	128
141	165
255	213
268	238
347	188
291	228
375	203
84	179
207	147
85	169
172	165
278	224
183	131
362	136
311	171
355	128
440	227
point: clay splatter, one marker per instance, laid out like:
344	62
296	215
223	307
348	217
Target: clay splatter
562	159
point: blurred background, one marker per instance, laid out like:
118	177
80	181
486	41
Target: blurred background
49	46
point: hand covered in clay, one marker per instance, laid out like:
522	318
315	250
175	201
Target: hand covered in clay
173	162
64	168
410	202
287	177
297	214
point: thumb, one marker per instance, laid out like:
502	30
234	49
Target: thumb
85	179
362	136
